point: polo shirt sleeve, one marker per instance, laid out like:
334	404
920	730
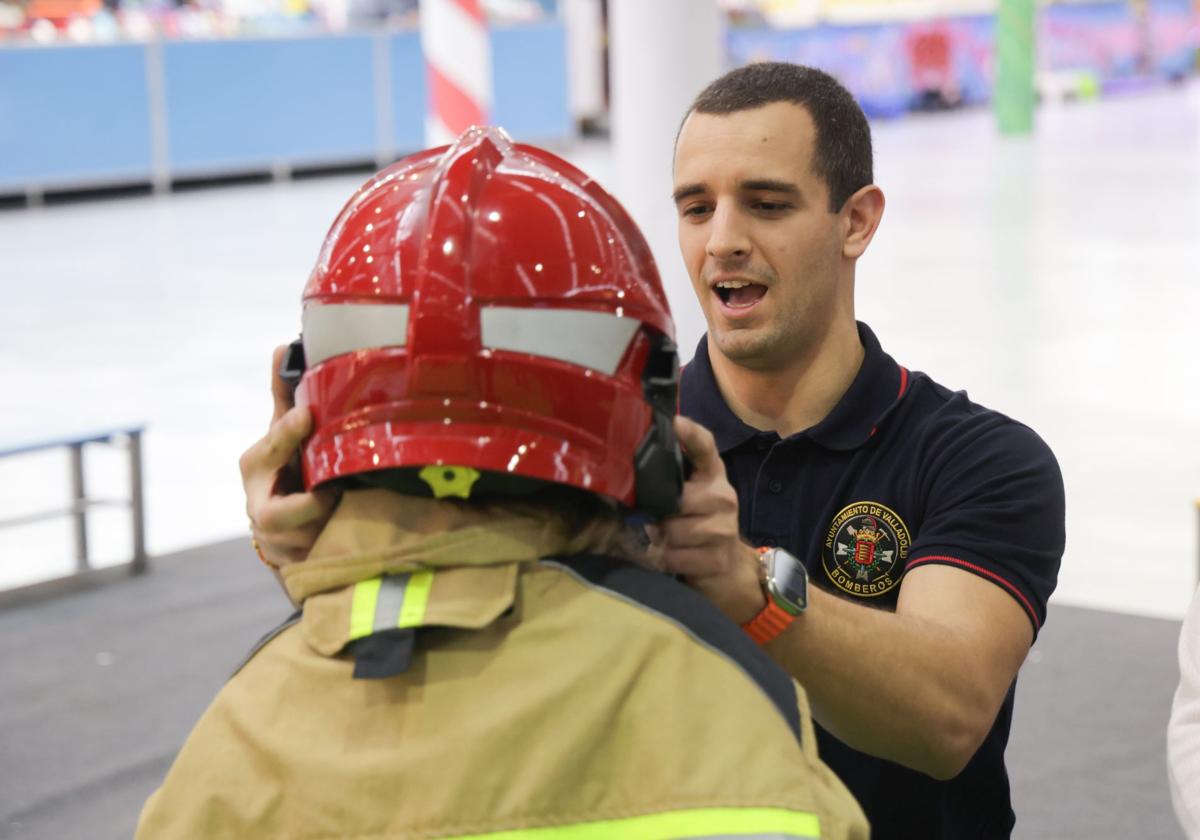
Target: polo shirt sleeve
995	507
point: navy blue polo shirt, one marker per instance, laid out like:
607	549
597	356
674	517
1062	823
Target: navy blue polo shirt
902	473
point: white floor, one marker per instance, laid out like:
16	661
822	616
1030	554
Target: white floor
1056	277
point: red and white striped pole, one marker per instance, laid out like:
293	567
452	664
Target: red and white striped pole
458	68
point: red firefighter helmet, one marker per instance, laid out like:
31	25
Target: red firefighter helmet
487	309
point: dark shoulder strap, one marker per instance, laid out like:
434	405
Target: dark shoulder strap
262	643
683	606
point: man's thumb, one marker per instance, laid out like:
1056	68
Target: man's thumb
700	447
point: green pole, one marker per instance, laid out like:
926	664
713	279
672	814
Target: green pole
1013	98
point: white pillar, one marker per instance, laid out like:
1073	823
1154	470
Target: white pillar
584	23
662	53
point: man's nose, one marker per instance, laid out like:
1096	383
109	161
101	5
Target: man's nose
727	236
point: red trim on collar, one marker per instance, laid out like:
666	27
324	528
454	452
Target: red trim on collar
903	388
988	573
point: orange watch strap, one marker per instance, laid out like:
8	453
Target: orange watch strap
769	623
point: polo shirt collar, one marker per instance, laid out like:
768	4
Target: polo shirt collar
877	387
701	400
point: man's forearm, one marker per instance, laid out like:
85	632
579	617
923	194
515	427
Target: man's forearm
900	687
920	686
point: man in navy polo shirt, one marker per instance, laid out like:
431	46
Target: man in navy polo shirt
931	528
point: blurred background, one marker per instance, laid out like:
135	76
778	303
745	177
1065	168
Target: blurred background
168	169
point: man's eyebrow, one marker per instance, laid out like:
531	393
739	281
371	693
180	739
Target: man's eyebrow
769	185
687	191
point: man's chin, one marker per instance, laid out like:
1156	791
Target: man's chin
745	348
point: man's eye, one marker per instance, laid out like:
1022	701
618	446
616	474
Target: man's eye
771	206
695	210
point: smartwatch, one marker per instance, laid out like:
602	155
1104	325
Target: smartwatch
785	583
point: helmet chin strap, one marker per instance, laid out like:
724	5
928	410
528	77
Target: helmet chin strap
291	369
659	468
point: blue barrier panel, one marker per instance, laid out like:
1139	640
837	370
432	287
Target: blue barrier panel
870	59
1100	37
73	115
252	103
889	67
1174	36
70	116
529	79
529	85
409	94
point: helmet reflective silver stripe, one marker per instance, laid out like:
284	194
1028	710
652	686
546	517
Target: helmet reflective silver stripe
596	340
333	329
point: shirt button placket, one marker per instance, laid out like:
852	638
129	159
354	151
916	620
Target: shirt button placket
770	523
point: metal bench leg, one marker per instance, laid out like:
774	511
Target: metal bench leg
79	501
136	504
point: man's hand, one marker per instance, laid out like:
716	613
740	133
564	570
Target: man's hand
702	540
284	520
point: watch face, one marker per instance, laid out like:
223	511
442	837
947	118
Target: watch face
790	580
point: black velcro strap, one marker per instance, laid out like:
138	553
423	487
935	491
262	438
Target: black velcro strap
684	606
294	618
384	654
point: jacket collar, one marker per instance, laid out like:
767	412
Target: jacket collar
374	532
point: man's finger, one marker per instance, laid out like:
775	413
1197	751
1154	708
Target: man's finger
280	443
655	537
707	497
694	532
288	513
277	557
692	563
281	393
701	449
286	542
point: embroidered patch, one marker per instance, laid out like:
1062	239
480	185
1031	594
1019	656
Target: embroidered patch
865	549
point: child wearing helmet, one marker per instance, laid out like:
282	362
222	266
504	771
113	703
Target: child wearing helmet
488	357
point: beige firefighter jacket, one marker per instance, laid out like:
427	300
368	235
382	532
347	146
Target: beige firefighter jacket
550	695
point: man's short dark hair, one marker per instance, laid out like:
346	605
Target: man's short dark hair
842	157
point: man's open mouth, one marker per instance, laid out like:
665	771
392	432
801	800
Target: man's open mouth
739	293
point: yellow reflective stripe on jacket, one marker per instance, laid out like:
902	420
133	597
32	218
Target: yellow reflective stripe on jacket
742	823
389	601
416	598
362	609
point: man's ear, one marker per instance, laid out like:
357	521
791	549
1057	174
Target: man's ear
861	214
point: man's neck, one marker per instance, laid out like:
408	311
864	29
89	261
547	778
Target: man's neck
797	396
